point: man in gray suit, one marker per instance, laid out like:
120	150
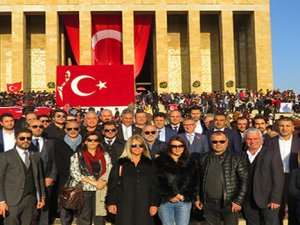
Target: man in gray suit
45	148
196	143
21	181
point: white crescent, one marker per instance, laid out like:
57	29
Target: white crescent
103	34
74	85
12	88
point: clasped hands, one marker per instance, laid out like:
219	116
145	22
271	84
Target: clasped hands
177	198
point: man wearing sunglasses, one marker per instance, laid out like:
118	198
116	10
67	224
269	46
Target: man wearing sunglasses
155	146
111	143
45	148
56	129
22	185
223	182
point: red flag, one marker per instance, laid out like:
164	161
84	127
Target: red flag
107	39
95	85
72	27
15	87
142	26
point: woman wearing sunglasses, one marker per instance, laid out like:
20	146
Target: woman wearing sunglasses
177	178
132	186
91	166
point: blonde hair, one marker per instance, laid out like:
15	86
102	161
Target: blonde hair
127	153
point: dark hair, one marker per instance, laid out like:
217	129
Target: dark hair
160	114
259	117
220	114
86	136
6	115
285	118
57	111
219	132
109	123
181	140
22	130
42	115
242	118
195	107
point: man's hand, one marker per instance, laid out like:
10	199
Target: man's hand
177	198
235	207
3	209
100	184
198	205
48	181
273	205
112	209
40	204
153	210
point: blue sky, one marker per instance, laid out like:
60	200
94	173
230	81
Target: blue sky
285	26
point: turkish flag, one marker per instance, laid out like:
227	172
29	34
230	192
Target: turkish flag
107	39
100	85
15	87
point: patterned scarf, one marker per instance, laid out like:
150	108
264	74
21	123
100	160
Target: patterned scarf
73	144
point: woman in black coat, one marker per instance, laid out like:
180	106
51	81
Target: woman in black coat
177	179
132	186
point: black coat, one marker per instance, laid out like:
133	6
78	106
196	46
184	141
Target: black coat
176	178
294	189
133	189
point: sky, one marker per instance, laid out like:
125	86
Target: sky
285	28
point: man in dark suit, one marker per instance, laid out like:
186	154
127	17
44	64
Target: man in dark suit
56	129
196	116
288	146
196	143
21	181
266	180
45	148
164	133
260	122
220	121
127	128
155	146
7	133
176	121
242	125
111	143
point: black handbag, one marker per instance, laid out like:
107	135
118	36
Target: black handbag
71	197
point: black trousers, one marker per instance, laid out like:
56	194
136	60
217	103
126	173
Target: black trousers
41	216
87	213
215	212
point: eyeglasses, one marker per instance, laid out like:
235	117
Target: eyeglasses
150	132
60	116
177	146
92	140
136	145
72	128
37	126
110	130
220	141
25	138
45	121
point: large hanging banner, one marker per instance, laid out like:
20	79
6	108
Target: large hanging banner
95	85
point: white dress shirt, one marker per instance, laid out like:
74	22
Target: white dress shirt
252	157
8	140
285	152
127	131
199	128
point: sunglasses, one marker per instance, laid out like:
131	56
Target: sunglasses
37	126
60	116
136	145
177	146
45	121
221	141
72	128
25	138
92	140
110	130
150	132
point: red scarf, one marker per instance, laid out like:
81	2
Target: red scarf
98	157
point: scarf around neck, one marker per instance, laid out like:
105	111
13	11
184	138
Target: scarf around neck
73	144
98	157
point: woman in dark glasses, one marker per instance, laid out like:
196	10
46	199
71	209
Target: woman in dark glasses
91	166
132	186
177	179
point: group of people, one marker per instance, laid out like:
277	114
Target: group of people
149	170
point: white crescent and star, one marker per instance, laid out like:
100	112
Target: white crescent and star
74	85
103	34
12	88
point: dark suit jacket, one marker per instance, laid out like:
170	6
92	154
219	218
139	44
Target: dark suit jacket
179	130
274	146
135	130
268	178
169	132
12	177
233	142
199	145
115	150
47	157
156	148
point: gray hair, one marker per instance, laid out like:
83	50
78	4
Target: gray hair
252	130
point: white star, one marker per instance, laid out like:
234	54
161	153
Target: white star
101	85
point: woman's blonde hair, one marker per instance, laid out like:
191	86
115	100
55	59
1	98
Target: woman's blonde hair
127	153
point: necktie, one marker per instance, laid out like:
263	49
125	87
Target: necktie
175	128
26	159
191	139
109	142
37	144
158	136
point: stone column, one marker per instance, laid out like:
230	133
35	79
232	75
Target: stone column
52	28
227	40
18	46
128	36
85	37
263	49
161	50
194	49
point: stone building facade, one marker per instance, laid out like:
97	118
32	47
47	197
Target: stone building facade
194	45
